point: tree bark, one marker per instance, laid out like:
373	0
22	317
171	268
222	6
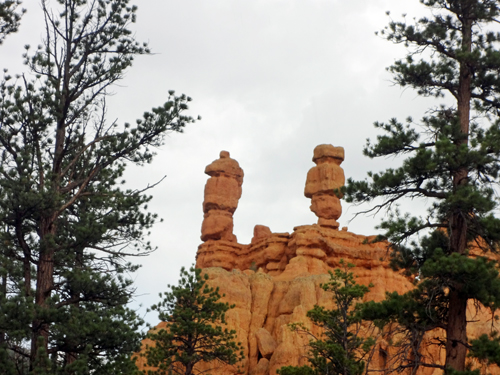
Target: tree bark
48	229
456	329
44	286
456	332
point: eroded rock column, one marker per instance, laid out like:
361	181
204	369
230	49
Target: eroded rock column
323	184
222	192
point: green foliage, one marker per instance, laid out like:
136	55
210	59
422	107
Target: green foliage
193	333
451	162
67	225
487	348
341	350
9	17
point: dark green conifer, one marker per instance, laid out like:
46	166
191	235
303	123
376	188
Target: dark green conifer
341	350
193	333
451	162
66	223
10	17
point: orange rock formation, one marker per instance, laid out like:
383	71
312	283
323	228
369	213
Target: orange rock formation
276	279
222	192
323	184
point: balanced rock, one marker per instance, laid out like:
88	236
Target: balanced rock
323	184
276	279
222	193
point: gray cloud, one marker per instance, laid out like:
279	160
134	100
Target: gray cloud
271	79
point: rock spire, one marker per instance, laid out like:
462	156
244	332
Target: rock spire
323	184
222	193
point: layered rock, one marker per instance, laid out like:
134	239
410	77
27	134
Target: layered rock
276	279
323	184
222	192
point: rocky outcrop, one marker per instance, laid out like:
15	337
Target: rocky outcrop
282	295
276	279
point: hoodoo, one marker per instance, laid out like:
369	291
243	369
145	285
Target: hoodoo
275	280
222	192
323	184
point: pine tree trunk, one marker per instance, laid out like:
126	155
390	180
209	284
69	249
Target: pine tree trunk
44	286
45	269
456	329
456	333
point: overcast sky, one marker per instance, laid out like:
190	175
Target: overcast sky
271	79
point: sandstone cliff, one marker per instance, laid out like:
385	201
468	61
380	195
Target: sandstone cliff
275	280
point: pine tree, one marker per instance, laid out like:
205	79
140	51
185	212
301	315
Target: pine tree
9	17
66	224
342	349
193	333
451	160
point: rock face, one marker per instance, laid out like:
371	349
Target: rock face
276	279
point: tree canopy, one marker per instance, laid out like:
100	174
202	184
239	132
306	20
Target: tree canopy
193	333
10	17
451	161
67	223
